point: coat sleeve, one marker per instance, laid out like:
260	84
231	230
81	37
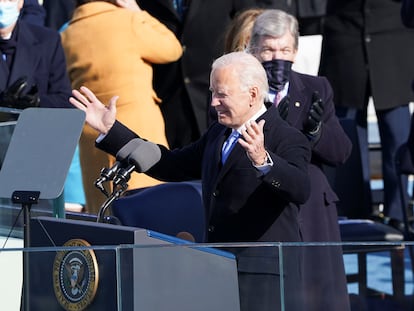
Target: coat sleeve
159	45
334	146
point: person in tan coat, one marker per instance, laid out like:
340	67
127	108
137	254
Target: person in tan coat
110	47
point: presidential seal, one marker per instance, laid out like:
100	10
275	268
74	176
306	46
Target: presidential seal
75	276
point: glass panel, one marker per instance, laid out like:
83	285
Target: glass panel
159	272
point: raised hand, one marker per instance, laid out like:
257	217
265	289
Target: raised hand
253	142
98	116
312	126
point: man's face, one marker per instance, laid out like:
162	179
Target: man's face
270	48
232	104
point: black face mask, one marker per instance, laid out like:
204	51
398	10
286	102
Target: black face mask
278	73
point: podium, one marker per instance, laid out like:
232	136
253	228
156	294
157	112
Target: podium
130	269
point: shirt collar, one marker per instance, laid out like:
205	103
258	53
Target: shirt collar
253	118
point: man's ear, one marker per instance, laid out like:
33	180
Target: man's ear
254	93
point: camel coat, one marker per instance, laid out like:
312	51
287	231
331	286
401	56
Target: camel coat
111	51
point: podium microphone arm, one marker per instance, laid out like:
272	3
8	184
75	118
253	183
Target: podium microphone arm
116	193
122	156
143	157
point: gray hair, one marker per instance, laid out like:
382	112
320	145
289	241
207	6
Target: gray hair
247	68
273	23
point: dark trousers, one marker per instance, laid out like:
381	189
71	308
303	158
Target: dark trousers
394	127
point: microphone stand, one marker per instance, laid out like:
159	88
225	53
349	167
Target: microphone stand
120	185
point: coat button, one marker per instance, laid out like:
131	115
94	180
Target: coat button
276	183
187	80
216	193
211	229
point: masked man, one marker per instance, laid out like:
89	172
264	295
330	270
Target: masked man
306	102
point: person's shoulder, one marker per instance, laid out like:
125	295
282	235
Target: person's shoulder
38	30
309	77
316	83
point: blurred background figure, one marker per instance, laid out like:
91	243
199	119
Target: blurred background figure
367	54
58	12
238	32
33	62
407	13
183	86
119	66
33	12
309	13
306	102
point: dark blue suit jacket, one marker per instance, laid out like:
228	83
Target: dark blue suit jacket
241	205
39	56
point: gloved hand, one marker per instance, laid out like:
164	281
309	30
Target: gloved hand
13	96
283	107
313	124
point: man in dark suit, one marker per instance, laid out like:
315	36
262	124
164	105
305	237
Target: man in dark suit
183	85
306	102
254	195
33	55
358	57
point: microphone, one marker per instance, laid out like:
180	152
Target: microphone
121	158
145	155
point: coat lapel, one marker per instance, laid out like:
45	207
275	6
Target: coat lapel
298	104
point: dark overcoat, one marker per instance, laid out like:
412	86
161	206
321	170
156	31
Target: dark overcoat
367	48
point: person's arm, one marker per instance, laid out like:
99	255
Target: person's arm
333	146
158	44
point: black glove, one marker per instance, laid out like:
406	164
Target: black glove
13	96
313	124
283	107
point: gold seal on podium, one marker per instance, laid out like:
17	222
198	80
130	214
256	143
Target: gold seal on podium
75	276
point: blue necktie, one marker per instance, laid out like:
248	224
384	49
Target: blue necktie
228	145
179	7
